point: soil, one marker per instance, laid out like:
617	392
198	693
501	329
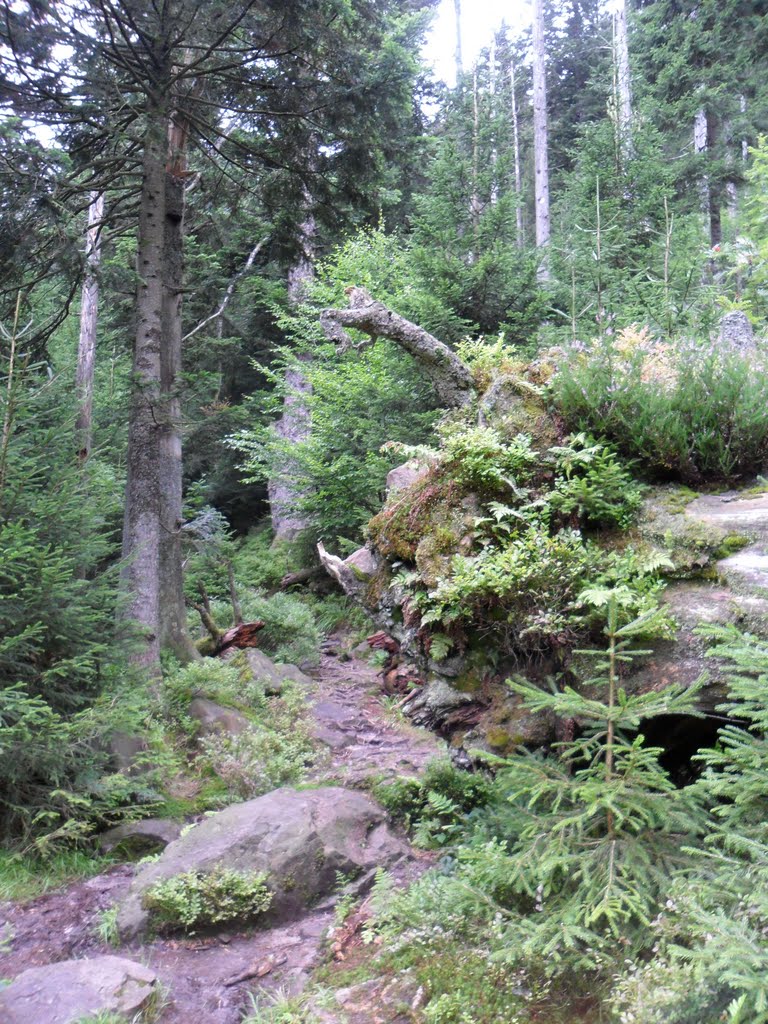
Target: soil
211	979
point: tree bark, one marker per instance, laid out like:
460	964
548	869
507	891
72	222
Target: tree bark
624	81
451	378
457	54
520	235
704	130
141	526
89	316
174	635
294	425
540	140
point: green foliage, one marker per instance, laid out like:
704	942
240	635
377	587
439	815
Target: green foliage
691	411
277	751
435	804
194	900
712	931
357	401
58	649
107	929
25	876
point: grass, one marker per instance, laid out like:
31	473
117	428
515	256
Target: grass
24	876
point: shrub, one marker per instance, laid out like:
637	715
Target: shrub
435	804
222	681
194	900
690	411
262	758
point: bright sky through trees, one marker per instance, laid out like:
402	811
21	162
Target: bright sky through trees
479	20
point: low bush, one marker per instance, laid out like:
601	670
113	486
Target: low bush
693	411
195	900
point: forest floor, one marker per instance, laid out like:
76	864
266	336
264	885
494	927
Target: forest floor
199	973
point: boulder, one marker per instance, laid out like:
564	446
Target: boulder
215	719
74	990
301	840
145	836
736	330
126	750
273	675
403	476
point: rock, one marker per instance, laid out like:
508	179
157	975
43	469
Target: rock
126	750
513	406
299	839
273	674
72	990
145	836
353	574
736	330
334	724
403	476
215	719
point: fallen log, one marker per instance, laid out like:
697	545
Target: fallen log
452	379
240	637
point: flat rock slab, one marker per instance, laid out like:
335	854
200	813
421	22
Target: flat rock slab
734	513
71	990
301	839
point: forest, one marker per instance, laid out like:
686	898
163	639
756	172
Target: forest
383	513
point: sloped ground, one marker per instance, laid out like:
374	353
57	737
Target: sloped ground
208	979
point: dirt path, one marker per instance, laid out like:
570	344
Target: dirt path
362	741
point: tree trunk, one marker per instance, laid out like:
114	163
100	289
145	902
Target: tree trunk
458	59
141	527
624	81
294	425
89	315
703	140
174	635
540	142
520	235
492	112
451	378
474	201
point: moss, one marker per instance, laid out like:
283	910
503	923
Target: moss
468	682
730	545
500	740
415	513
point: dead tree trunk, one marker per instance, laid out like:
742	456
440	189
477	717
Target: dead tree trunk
451	378
285	492
457	54
520	235
623	81
89	316
540	140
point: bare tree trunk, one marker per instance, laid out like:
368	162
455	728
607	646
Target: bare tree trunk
459	62
624	81
703	139
451	377
474	202
540	141
520	236
294	425
492	100
141	527
89	316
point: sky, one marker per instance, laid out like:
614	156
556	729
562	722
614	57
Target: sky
479	20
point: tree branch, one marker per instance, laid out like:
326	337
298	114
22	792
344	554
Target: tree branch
451	377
